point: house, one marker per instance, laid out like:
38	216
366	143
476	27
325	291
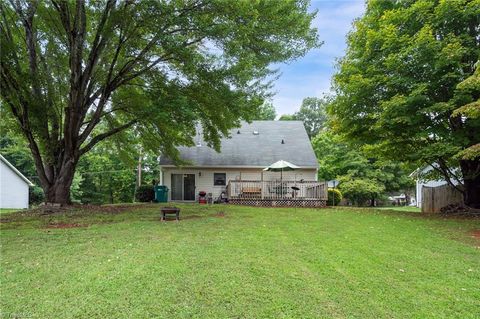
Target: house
13	186
433	194
237	171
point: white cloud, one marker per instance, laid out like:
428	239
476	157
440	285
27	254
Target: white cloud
311	75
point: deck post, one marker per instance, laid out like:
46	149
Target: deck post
261	184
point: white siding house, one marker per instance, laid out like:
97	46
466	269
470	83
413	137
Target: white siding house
13	186
203	178
243	156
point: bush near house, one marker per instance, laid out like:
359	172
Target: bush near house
35	195
334	197
144	194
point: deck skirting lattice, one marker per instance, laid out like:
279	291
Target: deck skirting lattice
279	202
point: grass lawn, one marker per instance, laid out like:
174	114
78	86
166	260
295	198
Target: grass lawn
8	210
239	262
413	209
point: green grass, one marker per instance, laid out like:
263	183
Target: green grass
413	209
8	210
251	263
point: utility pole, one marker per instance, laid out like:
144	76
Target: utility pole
139	171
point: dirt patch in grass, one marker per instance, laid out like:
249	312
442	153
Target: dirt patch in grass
112	209
79	210
66	225
475	234
219	214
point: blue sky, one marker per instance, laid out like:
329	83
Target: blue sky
311	75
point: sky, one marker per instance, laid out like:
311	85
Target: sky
310	76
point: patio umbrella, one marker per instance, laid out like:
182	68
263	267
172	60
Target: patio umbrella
281	166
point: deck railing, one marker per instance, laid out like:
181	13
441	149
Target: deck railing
275	190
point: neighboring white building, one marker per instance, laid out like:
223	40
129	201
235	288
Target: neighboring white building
251	148
13	186
420	183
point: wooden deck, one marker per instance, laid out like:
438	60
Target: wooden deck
277	193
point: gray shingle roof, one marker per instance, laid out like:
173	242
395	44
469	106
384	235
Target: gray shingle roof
250	150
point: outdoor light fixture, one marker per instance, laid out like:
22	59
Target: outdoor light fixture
199	174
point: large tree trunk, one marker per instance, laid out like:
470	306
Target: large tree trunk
58	192
471	180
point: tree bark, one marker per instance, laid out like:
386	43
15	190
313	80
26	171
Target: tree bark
58	191
471	181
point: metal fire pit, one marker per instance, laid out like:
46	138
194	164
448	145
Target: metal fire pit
170	211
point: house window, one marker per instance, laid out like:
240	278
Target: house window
219	179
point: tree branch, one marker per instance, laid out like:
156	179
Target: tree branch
447	178
100	137
98	44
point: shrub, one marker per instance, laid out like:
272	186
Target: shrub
35	195
144	193
334	193
361	190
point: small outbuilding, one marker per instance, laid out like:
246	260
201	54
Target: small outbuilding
13	186
433	194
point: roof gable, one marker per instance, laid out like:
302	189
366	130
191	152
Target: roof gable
256	144
16	171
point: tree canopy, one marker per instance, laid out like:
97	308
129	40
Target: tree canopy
287	117
408	68
312	113
266	112
76	73
361	176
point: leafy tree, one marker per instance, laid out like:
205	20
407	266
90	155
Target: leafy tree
266	112
15	150
360	190
335	157
105	176
288	117
312	114
339	160
155	68
471	110
399	85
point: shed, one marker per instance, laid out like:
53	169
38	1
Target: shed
13	186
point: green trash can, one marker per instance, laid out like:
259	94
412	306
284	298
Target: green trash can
161	194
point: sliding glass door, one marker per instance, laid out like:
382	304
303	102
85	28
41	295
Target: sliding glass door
183	186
